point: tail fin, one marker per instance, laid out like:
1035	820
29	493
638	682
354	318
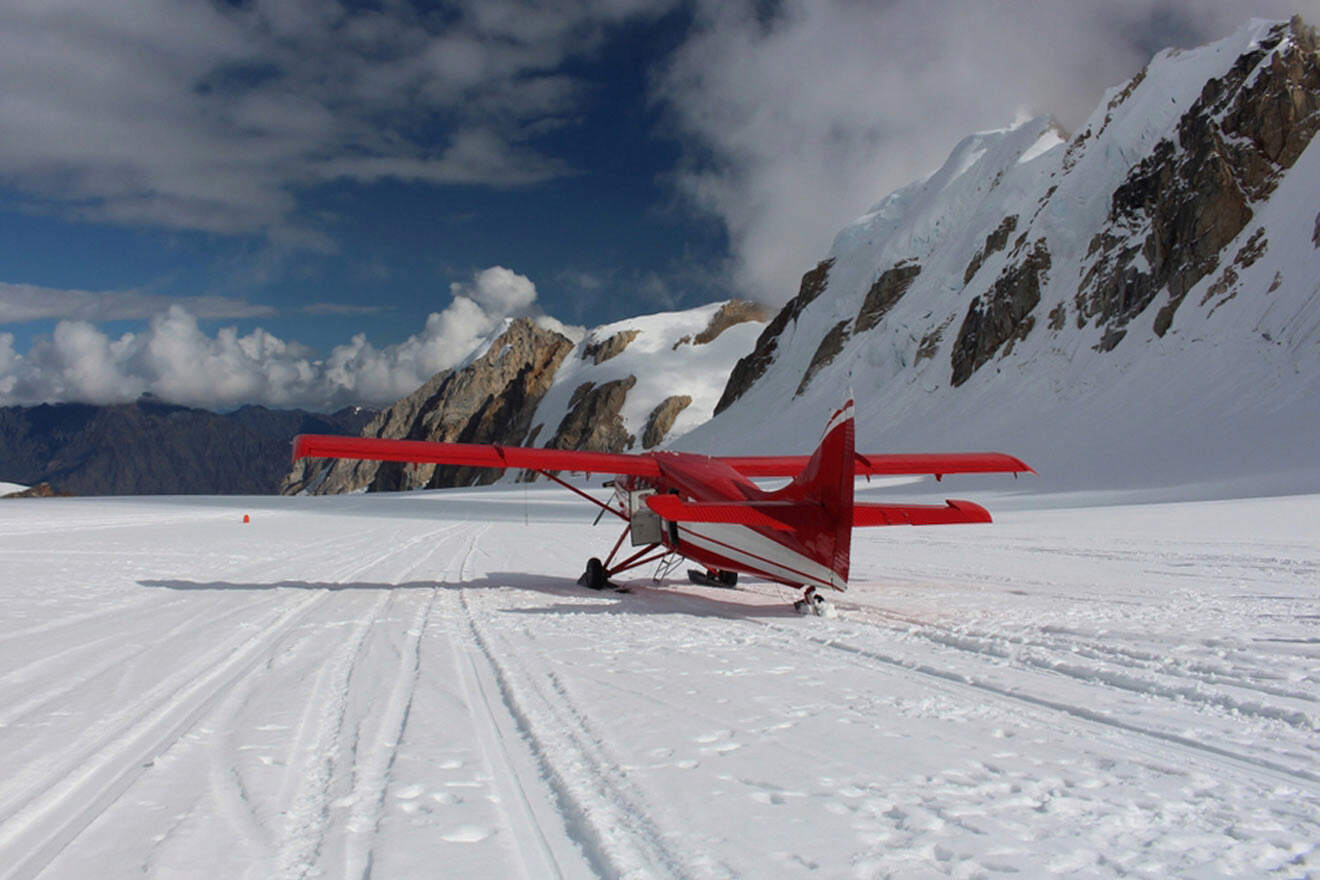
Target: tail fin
827	481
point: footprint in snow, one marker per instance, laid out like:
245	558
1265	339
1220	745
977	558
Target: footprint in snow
467	834
712	736
408	792
721	748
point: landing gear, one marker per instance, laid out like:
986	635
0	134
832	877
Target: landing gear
712	577
813	602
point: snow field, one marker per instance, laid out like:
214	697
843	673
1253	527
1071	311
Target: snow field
415	686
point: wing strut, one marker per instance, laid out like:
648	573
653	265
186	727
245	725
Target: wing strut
601	504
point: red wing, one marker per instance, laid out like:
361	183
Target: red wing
937	463
472	455
949	513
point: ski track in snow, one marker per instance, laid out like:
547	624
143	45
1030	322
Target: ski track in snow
377	687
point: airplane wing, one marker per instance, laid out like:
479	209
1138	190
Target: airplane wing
936	463
473	455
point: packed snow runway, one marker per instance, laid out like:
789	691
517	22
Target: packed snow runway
414	686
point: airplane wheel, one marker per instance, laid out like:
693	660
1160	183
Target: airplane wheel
594	577
728	578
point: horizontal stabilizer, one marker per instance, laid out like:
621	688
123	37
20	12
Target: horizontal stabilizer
472	455
918	464
779	515
949	513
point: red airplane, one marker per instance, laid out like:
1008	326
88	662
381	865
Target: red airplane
708	510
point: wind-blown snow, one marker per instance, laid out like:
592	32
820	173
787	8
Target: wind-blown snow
414	686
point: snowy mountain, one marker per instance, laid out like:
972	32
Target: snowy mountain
1134	305
630	385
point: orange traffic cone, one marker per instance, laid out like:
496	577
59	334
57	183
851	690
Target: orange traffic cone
246	518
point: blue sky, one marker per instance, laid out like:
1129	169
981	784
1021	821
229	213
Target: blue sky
309	202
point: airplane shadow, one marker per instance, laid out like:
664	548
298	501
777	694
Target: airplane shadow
640	599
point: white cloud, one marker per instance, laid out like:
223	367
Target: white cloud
20	303
213	116
178	362
498	290
800	118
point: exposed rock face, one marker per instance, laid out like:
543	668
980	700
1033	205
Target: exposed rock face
593	421
492	400
994	243
826	352
1224	287
662	419
732	313
1000	315
1181	205
884	294
930	343
753	366
599	351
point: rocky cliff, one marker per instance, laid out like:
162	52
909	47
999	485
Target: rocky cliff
490	400
1093	301
535	387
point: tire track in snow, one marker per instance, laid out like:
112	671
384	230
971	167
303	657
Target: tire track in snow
371	776
102	617
318	745
531	804
59	796
104	663
1142	666
606	814
100	765
1223	758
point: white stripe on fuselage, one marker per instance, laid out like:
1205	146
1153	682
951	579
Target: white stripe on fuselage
749	547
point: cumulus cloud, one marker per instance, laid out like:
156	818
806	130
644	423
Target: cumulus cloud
214	116
799	115
174	359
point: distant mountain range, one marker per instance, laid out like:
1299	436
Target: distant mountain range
153	448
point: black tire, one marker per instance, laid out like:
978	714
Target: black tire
595	577
728	578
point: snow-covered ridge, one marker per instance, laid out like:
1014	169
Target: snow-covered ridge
1138	303
666	357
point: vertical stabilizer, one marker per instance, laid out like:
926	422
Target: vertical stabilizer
827	482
